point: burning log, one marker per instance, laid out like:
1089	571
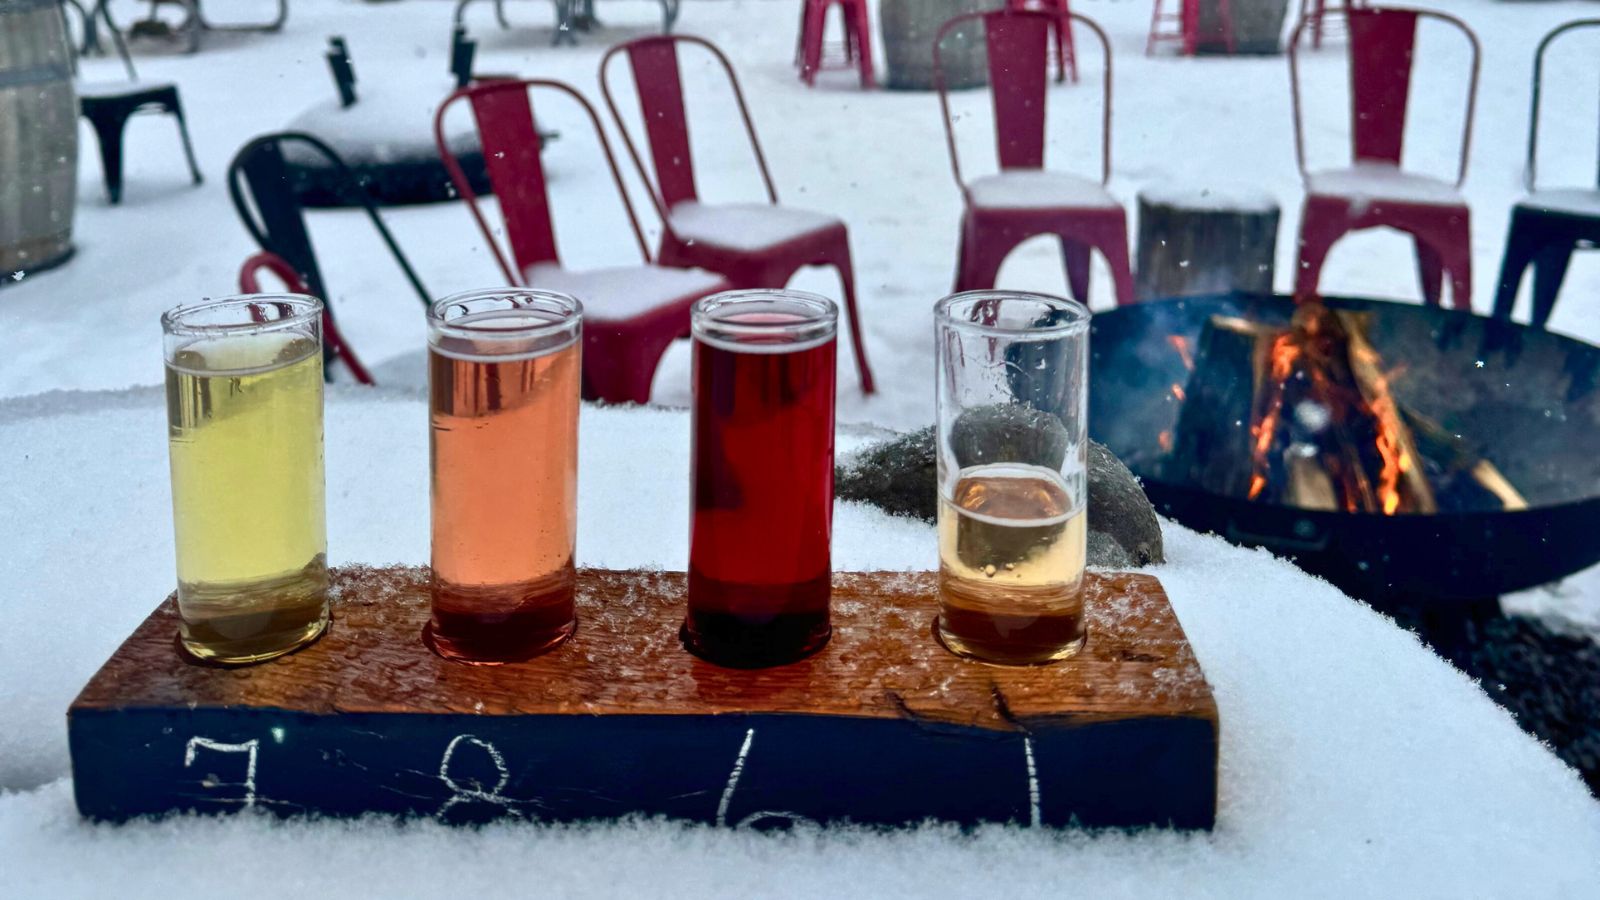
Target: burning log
1306	415
1211	443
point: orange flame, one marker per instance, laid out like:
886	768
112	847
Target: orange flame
1181	344
1177	392
1396	461
1284	353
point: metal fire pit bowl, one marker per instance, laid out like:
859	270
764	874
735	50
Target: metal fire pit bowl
1523	398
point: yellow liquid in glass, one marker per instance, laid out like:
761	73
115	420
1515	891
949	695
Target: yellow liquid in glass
244	419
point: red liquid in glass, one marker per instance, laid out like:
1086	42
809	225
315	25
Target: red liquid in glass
760	574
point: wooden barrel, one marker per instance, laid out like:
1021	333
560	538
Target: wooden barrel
909	27
38	137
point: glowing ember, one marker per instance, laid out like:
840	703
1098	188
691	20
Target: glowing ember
1181	344
1283	354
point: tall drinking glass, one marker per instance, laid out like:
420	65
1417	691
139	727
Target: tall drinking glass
504	369
244	438
760	573
1012	453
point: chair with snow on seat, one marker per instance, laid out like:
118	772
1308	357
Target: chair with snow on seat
269	206
1375	191
333	340
1066	50
857	37
1025	199
631	313
1549	224
753	245
108	105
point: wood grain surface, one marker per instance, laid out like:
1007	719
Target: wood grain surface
621	719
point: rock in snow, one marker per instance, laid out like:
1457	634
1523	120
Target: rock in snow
901	477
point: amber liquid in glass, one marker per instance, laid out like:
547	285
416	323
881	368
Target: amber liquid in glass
1012	545
504	443
760	574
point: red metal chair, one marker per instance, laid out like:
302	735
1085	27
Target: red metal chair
753	245
333	341
631	313
857	37
1066	51
1375	191
1317	13
1025	200
1186	26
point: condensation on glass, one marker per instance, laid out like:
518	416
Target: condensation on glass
760	565
504	377
1012	445
244	427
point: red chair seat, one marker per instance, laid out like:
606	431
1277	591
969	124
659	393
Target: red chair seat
1038	189
749	227
1372	182
624	293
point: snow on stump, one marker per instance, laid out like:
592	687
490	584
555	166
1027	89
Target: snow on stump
881	727
387	141
1205	241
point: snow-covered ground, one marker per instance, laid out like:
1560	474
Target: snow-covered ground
877	159
1354	762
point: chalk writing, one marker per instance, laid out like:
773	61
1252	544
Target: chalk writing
733	784
461	794
248	748
1033	782
733	778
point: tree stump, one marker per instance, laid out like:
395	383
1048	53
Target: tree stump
1205	241
1257	27
909	28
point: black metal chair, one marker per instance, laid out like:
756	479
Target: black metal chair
109	105
268	202
1549	224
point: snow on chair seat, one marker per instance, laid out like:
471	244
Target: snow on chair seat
1038	189
1383	181
1572	201
634	311
754	246
625	292
746	226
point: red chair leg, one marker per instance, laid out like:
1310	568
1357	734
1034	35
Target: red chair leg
1457	254
811	39
1115	248
839	258
982	253
862	31
1077	259
1319	230
1068	49
1430	271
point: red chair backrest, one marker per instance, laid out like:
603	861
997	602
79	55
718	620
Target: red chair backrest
658	82
1018	44
503	111
1382	48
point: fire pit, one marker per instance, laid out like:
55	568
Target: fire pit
1411	455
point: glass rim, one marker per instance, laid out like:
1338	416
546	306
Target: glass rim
818	316
569	308
307	310
1077	321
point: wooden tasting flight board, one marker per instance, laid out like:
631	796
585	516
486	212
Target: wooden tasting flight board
882	727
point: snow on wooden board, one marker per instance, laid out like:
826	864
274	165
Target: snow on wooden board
1353	761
